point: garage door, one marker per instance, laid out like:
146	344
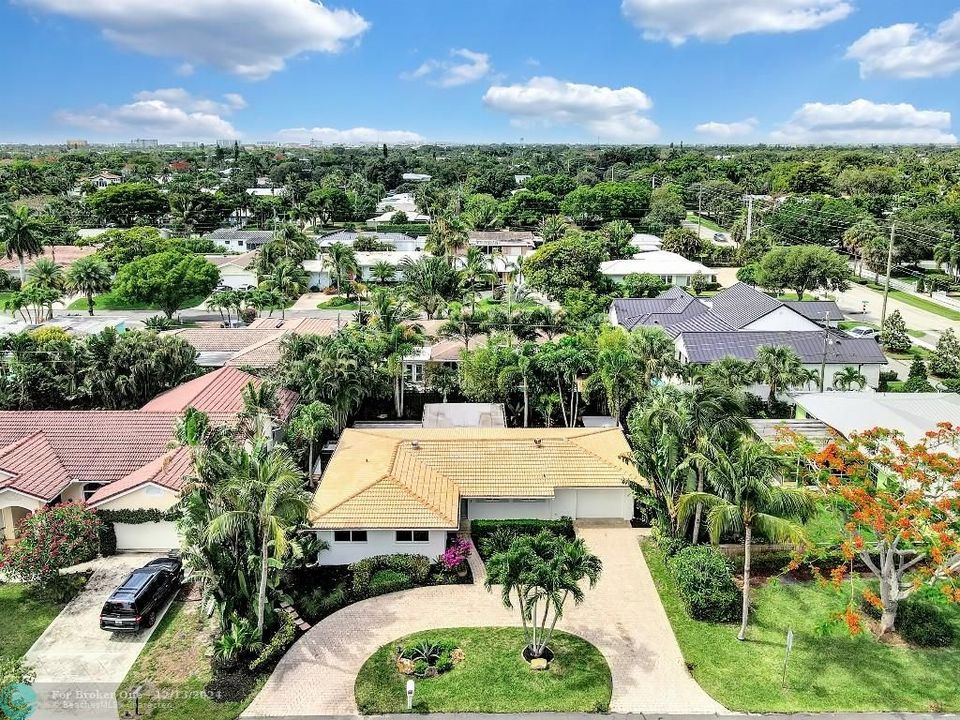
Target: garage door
600	503
147	536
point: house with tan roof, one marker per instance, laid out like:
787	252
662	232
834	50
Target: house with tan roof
113	459
402	490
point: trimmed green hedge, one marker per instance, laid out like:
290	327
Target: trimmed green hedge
414	568
705	583
480	529
135	517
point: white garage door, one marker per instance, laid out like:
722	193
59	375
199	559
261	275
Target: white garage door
508	509
600	503
147	536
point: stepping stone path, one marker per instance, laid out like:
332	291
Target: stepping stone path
301	624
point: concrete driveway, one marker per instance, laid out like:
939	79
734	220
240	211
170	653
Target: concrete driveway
622	617
78	665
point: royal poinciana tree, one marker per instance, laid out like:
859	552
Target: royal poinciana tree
901	505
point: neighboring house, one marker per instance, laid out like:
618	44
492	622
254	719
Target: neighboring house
255	346
450	415
402	491
113	460
102	179
413	216
235	270
319	270
401	242
398	201
240	240
415	177
645	242
66	255
673	269
514	243
266	191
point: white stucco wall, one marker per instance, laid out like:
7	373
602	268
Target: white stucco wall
149	497
160	536
234	277
569	502
379	542
783	319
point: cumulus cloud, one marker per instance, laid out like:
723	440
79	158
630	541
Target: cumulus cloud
611	114
906	50
863	121
719	20
167	114
250	38
729	130
350	136
463	67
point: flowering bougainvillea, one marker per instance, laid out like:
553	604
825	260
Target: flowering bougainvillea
456	555
900	503
50	539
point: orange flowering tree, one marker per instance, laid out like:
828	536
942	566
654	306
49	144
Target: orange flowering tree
901	508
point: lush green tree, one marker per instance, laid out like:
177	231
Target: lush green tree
430	282
89	276
552	228
308	424
393	318
749	496
642	285
861	235
342	261
666	210
127	204
893	333
813	220
481	212
803	268
383	272
527	209
617	371
167	280
849	377
945	360
118	247
684	241
571	263
593	205
23	235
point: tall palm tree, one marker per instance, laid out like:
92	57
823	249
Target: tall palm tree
265	499
729	372
23	233
655	352
393	319
748	498
46	275
309	423
552	228
476	273
289	279
89	276
447	237
616	371
342	261
430	282
383	272
846	378
778	367
260	403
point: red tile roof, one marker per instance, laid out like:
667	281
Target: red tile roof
31	466
169	470
220	391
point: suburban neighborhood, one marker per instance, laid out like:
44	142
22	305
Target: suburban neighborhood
474	387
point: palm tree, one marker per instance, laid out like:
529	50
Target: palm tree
729	372
22	233
747	498
779	367
393	318
308	424
523	371
342	261
476	273
46	275
542	572
655	352
288	279
89	276
447	237
552	228
265	499
383	272
846	378
260	403
616	370
430	282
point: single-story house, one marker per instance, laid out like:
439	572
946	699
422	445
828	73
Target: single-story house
503	242
401	242
387	217
240	240
415	177
645	242
402	491
235	270
673	269
113	459
63	255
319	270
398	201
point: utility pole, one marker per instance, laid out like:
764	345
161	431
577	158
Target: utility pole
700	210
886	284
749	219
823	356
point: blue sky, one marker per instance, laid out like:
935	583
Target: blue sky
443	70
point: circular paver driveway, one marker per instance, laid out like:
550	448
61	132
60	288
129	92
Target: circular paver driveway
622	616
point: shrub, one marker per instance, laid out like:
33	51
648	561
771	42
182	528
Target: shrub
415	567
922	623
670	545
456	555
387	581
273	650
107	538
705	583
480	530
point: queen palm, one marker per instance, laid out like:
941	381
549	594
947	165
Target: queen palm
655	352
616	370
476	273
430	282
264	499
846	378
552	228
309	423
729	372
89	276
342	261
383	272
46	275
23	234
778	367
393	319
747	497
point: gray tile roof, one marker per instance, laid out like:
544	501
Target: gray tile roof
815	309
350	236
702	322
253	237
705	347
739	305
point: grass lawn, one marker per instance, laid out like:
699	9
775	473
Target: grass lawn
493	677
914	301
338	302
829	669
706	222
485	304
109	301
174	667
23	619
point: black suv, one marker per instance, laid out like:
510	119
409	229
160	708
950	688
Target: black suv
142	596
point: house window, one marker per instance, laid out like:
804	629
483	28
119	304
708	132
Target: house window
413	372
349	535
418	536
89	489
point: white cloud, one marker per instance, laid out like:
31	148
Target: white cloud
466	66
350	136
718	20
863	121
167	114
729	130
906	50
612	114
251	38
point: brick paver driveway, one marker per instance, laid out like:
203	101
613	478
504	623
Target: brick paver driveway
622	616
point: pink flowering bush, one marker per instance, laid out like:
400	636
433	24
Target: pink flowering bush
50	539
456	555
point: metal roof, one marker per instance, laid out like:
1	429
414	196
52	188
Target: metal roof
816	309
739	305
705	347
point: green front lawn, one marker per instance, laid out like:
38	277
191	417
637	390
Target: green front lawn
706	222
110	301
829	670
23	618
493	677
174	668
338	302
914	301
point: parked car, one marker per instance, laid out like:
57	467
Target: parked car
863	331
232	323
719	237
247	288
139	599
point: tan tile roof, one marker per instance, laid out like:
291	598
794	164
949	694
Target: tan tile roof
66	256
224	339
220	391
170	470
380	478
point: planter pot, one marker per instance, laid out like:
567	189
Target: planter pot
462	572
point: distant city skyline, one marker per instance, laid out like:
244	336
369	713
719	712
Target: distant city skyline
546	71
